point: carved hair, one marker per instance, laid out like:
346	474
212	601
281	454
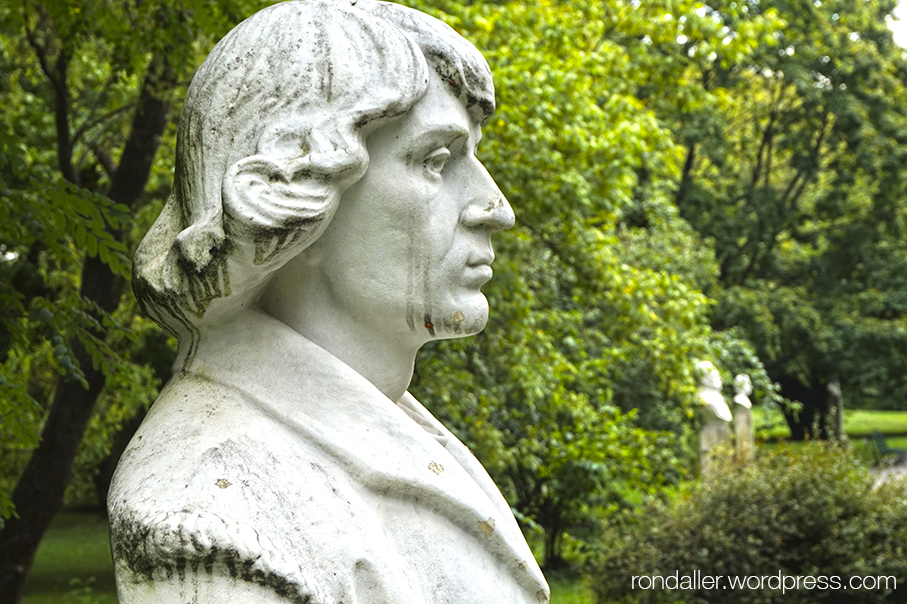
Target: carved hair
271	134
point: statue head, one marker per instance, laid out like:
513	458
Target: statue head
742	384
743	387
708	375
275	134
713	405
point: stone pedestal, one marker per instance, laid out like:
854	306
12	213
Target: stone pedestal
713	435
746	437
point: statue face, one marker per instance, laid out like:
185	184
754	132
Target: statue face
410	245
709	375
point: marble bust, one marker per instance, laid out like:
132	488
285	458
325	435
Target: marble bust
328	217
743	388
714	407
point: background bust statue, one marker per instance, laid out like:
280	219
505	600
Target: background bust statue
743	388
714	407
328	217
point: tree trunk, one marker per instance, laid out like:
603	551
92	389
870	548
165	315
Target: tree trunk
39	493
812	421
554	559
120	441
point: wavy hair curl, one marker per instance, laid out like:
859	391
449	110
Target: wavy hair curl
282	94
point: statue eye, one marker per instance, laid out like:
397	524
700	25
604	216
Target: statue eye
435	161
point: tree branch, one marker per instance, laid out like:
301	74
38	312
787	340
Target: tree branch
686	175
99	100
106	162
89	124
56	75
766	141
92	146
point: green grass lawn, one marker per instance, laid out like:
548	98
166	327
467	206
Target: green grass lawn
569	588
73	566
858	423
863	423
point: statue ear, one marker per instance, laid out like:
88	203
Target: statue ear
261	192
277	203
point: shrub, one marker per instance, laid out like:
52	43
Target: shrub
811	511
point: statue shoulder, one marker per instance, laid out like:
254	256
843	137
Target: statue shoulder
212	491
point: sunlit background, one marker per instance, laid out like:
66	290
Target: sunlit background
899	24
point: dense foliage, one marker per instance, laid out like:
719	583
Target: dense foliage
811	511
579	394
794	169
88	89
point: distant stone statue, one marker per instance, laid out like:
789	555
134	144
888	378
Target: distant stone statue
715	414
714	407
836	408
743	418
328	218
743	388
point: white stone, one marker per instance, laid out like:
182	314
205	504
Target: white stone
744	430
744	433
715	412
328	218
713	405
743	388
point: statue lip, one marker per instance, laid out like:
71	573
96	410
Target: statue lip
479	272
478	268
481	259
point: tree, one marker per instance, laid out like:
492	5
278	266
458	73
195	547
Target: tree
795	171
596	309
95	82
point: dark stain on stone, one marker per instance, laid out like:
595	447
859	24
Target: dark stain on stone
429	325
468	84
149	549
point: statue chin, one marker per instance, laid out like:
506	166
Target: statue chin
465	320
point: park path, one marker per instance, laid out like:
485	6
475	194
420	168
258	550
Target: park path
895	472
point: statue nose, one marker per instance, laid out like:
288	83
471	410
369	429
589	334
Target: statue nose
487	207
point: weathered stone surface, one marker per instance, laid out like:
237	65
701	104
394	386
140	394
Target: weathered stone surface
715	431
328	218
743	418
836	408
745	433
